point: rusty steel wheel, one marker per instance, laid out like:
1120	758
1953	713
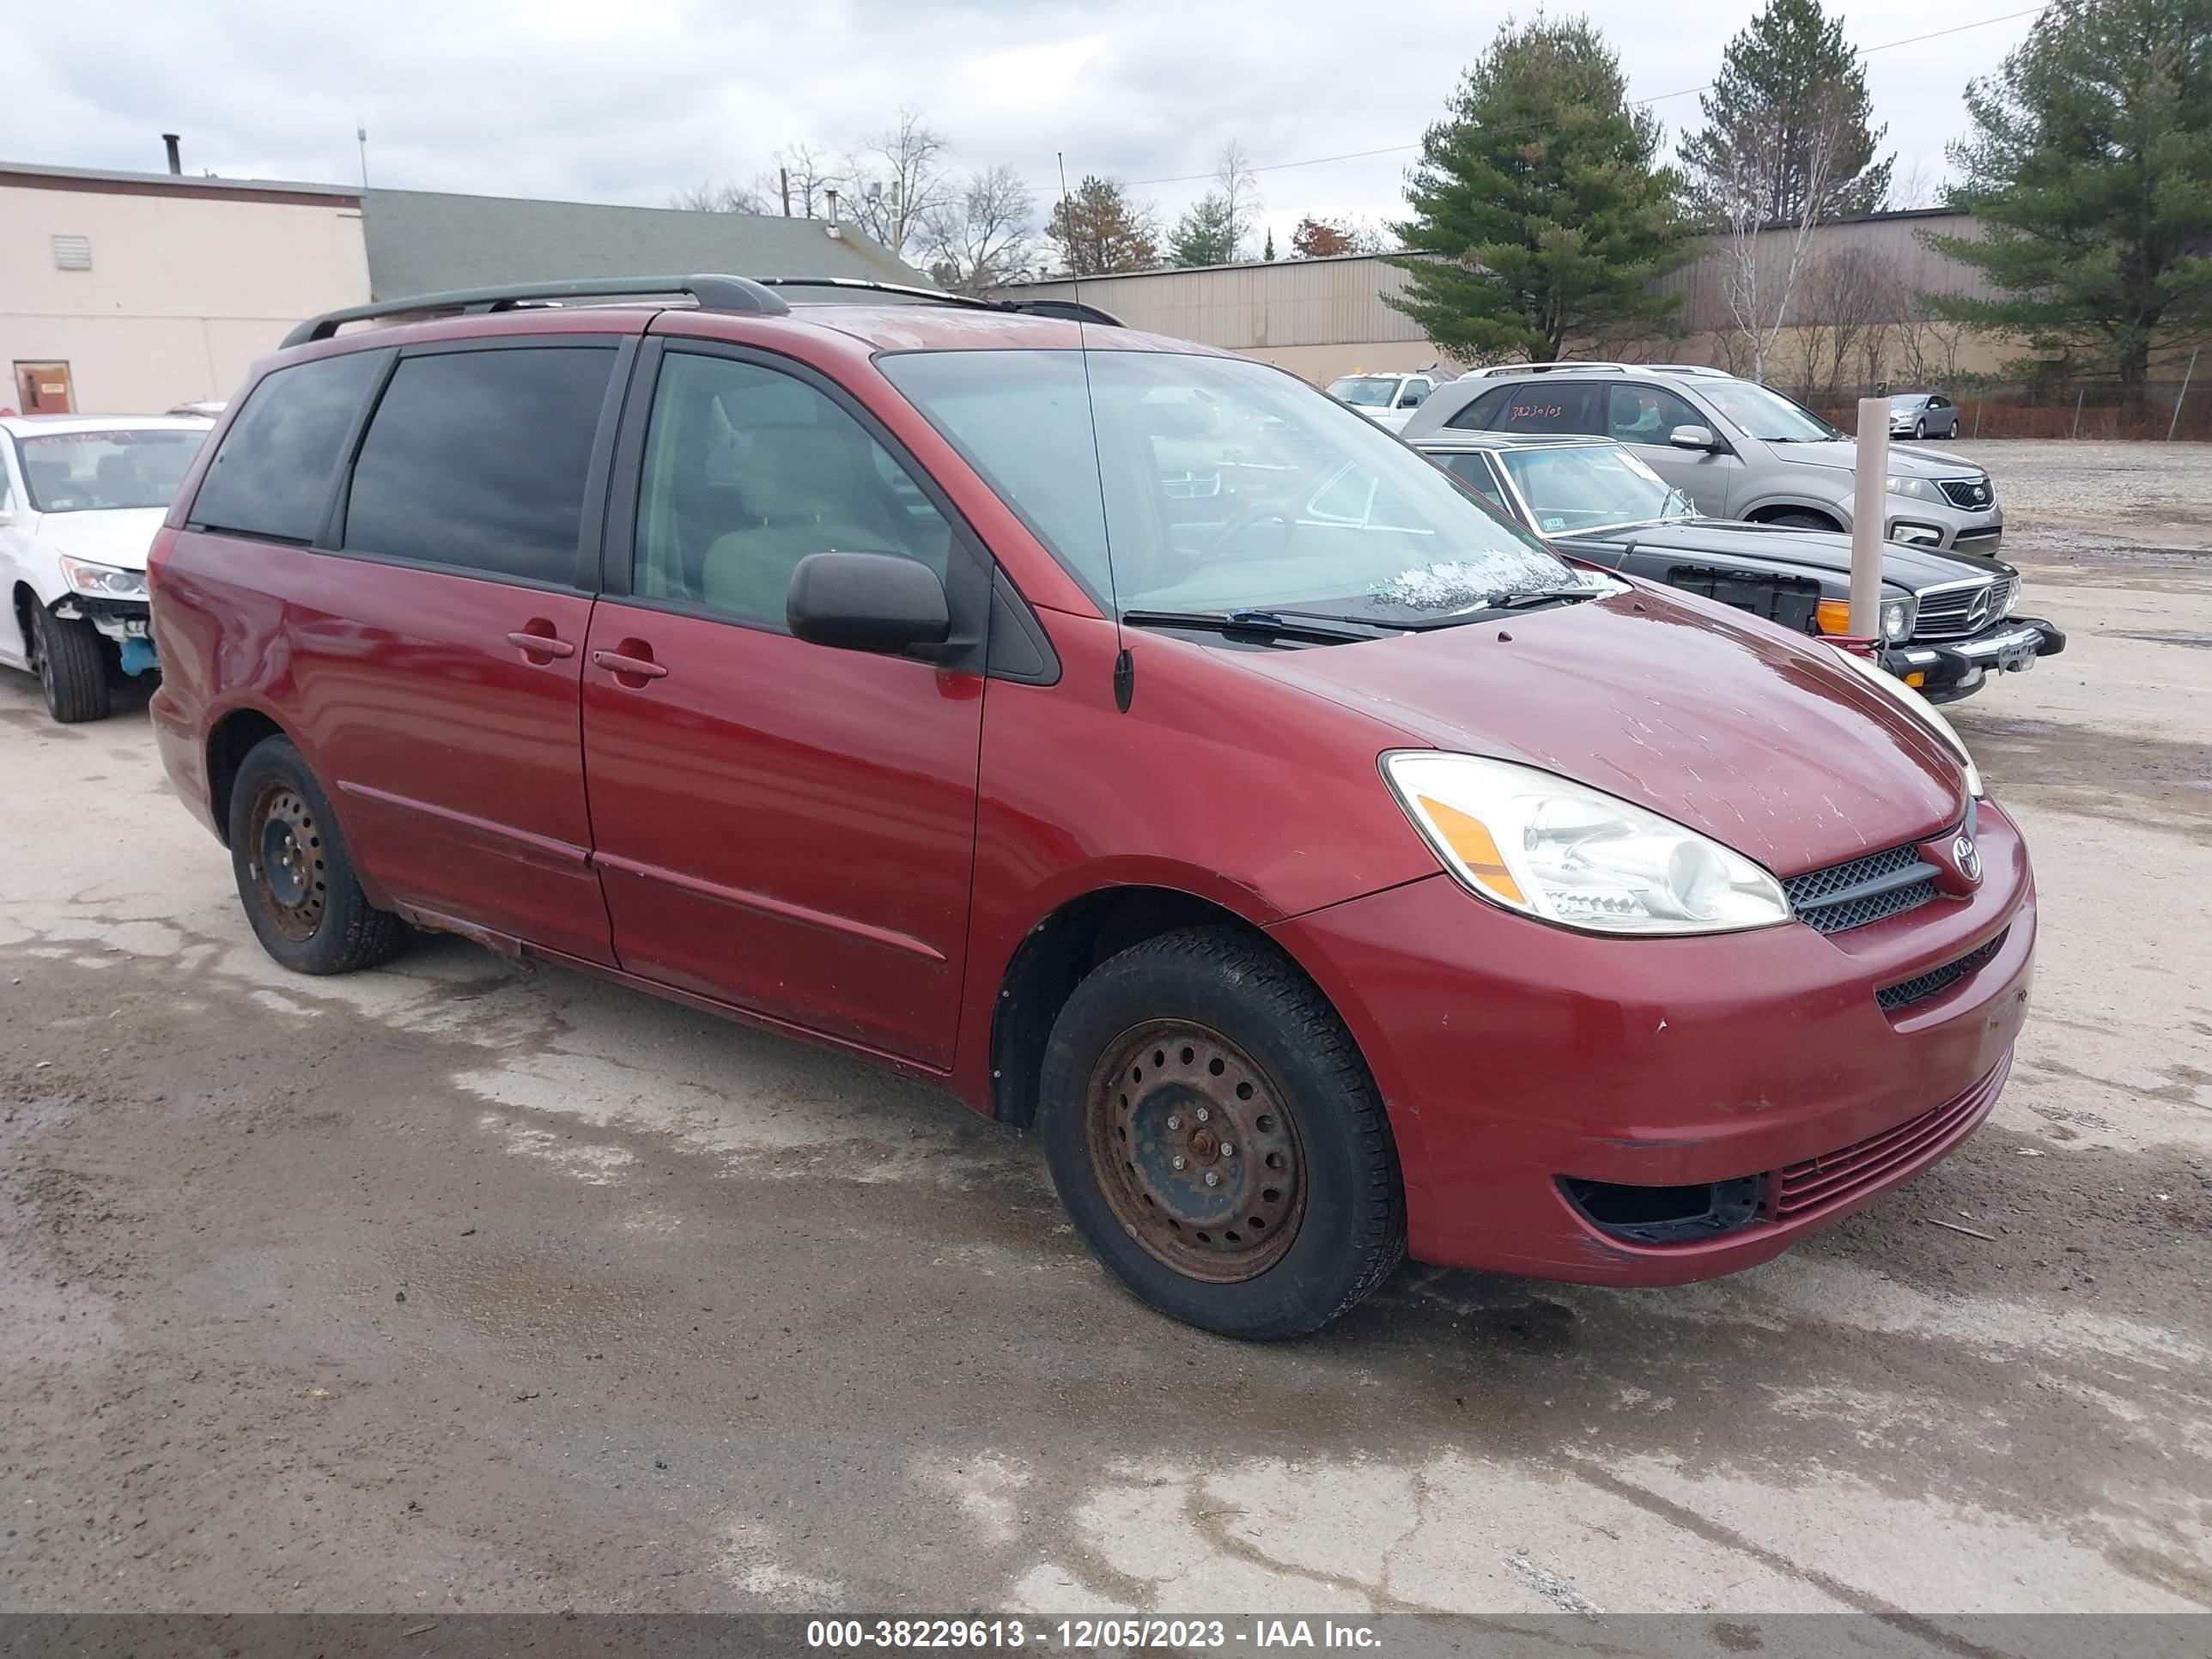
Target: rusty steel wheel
1196	1154
291	875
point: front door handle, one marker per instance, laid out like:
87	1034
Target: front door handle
633	663
532	643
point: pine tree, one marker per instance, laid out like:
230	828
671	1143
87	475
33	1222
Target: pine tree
1268	252
2089	165
1206	235
1099	231
1538	199
1787	118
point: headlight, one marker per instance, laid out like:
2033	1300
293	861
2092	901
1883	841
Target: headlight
103	581
1897	618
1922	710
1549	847
1921	489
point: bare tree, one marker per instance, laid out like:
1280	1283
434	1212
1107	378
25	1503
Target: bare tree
802	176
898	181
1852	301
983	237
1920	185
709	196
1239	190
1765	259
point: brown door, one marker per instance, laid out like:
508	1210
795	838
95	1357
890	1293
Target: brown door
44	389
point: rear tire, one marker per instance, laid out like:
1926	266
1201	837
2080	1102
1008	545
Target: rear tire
72	665
1216	1138
295	877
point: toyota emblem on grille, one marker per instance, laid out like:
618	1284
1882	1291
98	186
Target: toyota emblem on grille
1968	857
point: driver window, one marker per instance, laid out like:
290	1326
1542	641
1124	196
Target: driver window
748	470
1414	393
1646	414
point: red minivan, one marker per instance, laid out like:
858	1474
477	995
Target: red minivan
1118	733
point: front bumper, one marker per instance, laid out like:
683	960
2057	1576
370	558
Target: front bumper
1959	668
1924	524
1514	1057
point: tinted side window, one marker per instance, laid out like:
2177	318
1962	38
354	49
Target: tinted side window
1550	406
1477	415
477	458
748	470
272	475
1646	414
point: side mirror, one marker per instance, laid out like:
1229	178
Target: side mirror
1693	437
866	602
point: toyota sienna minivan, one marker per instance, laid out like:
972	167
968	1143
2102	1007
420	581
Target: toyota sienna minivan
1120	734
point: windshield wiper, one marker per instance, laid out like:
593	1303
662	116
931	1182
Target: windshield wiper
1528	598
1272	624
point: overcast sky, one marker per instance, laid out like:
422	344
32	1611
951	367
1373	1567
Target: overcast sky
630	102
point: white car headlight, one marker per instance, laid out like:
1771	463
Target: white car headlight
1921	489
1922	710
1897	618
1547	847
103	581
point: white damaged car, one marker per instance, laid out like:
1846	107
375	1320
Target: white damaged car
80	496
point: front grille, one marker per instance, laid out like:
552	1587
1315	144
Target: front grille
1972	494
1919	989
1846	895
1836	1178
1958	613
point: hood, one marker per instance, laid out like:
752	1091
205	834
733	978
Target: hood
1724	724
1815	552
1906	460
120	536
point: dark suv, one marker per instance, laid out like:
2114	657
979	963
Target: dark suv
1122	735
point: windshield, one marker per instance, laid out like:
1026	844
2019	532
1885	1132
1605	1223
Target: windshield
1228	485
1906	402
1765	414
1364	390
1590	487
87	472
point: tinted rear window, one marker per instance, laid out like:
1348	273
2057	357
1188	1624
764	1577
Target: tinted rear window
477	460
272	475
1476	417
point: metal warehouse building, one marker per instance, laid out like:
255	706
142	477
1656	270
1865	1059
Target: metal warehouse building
1322	317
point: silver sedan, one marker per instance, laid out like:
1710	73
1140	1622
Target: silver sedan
1922	414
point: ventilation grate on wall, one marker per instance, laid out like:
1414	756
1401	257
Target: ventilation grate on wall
72	253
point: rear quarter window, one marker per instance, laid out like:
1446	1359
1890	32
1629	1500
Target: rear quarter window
272	477
1550	406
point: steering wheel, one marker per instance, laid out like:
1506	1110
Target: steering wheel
1258	512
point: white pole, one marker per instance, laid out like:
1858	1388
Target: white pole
1869	517
2185	374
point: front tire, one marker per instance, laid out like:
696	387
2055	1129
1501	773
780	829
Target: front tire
1801	521
1920	429
295	877
72	667
1217	1140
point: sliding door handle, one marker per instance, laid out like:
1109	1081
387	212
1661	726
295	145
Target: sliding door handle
540	645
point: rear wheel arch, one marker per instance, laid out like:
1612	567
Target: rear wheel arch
235	737
1060	952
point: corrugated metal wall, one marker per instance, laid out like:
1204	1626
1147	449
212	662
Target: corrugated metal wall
1888	248
1329	302
1292	302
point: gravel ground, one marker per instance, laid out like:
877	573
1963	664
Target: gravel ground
467	1284
2098	497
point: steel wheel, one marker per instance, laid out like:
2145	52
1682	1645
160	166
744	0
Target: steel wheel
285	857
1195	1152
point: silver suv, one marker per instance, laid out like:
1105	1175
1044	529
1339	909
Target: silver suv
1738	449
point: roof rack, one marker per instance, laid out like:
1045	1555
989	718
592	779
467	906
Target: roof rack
1705	370
1073	310
1561	368
737	294
748	295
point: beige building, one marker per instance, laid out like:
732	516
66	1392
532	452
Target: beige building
127	293
1855	313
